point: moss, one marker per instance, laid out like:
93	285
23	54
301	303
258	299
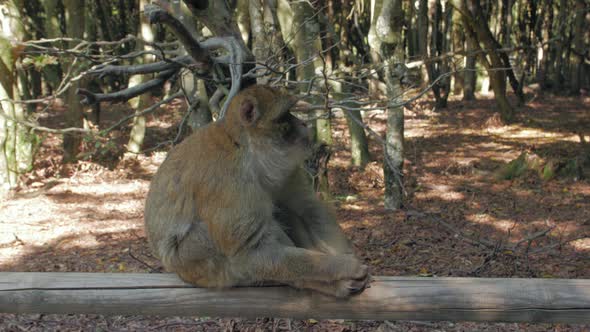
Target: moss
519	166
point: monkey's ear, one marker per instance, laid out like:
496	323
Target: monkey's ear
248	113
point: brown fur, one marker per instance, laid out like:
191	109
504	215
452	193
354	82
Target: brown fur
230	205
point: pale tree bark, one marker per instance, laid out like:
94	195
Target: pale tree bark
267	39
307	47
359	146
243	19
259	43
285	17
386	39
16	141
142	101
75	17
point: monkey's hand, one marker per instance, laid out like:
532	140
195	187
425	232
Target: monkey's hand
354	280
349	276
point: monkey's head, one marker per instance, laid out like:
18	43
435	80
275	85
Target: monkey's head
276	140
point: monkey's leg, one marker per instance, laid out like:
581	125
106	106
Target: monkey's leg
192	254
189	252
338	275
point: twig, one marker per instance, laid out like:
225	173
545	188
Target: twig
45	129
151	268
145	111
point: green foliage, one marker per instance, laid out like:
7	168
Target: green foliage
529	163
516	167
102	150
40	61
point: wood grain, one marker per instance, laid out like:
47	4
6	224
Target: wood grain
389	298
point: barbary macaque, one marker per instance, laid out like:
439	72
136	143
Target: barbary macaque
230	206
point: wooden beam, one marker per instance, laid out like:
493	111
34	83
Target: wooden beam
389	298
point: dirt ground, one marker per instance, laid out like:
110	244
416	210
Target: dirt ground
459	219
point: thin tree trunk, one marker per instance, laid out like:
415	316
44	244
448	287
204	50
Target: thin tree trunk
138	103
412	35
75	17
259	41
578	51
16	141
478	30
104	19
52	73
307	45
458	45
195	88
243	20
387	42
470	76
359	147
423	36
546	49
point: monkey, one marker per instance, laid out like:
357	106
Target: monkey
230	206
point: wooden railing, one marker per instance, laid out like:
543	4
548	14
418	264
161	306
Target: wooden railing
388	298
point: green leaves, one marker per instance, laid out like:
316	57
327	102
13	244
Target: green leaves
40	61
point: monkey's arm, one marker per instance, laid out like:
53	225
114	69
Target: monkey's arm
308	221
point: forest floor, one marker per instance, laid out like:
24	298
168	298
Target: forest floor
459	219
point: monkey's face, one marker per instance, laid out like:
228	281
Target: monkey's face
266	116
277	141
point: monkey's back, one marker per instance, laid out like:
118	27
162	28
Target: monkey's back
193	175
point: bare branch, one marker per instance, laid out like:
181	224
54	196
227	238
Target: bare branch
124	95
155	14
145	111
149	68
235	61
44	129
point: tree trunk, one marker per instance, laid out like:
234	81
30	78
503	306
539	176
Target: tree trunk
16	141
243	20
359	147
307	45
259	41
412	34
559	69
458	45
103	10
578	51
423	35
478	31
140	102
387	42
470	75
267	40
75	18
52	73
